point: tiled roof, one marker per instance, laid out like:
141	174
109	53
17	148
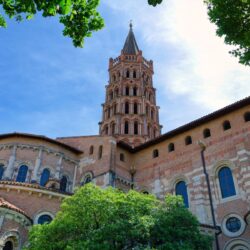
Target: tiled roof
8	205
130	47
218	113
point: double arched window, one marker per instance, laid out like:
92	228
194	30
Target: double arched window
126	108
22	173
226	181
126	127
127	73
44	177
1	171
134	91
136	128
63	184
135	108
113	128
181	189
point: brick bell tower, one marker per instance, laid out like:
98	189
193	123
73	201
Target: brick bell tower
130	113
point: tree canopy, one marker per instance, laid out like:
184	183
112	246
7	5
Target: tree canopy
105	219
79	17
232	18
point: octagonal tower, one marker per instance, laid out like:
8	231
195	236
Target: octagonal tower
130	112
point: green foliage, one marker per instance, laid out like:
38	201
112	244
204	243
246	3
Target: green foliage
154	2
80	17
108	219
232	18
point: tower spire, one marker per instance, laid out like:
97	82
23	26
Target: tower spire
130	46
130	113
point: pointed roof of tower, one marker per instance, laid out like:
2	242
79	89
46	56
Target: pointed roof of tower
130	47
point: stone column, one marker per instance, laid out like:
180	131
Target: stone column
58	167
10	168
37	166
74	178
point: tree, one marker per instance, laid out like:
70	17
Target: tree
232	18
79	17
95	218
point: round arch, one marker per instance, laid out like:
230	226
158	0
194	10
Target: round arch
237	244
13	237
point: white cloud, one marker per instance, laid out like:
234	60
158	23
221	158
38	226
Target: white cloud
205	72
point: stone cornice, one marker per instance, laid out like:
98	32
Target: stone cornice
37	148
13	215
32	189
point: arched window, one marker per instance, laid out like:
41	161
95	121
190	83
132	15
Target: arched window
127	91
134	74
63	184
91	150
115	109
122	158
226	125
188	140
155	132
126	127
126	108
135	108
108	112
44	177
147	110
100	152
1	171
113	128
226	182
171	147
114	78
149	131
8	246
206	133
116	92
106	129
127	73
155	153
152	114
110	95
87	179
149	97
136	128
45	218
22	173
247	116
134	91
181	189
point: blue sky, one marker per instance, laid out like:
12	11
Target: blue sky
49	87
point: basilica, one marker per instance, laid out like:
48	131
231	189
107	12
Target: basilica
206	161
